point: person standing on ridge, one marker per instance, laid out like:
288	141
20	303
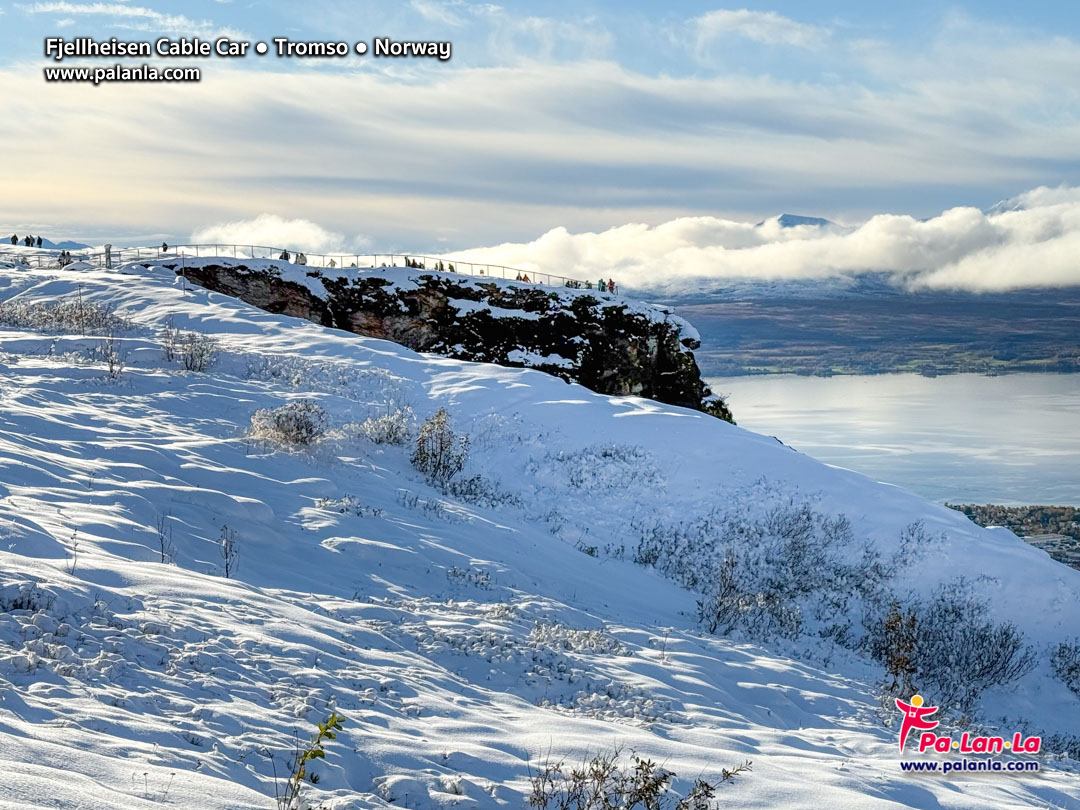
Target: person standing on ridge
164	247
39	241
14	239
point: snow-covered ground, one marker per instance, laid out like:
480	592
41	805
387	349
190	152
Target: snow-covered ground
465	639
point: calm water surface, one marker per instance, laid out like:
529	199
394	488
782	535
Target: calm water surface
1013	439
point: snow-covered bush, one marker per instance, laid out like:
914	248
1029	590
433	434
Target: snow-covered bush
1065	661
608	467
197	352
72	314
296	423
393	427
767	574
786	570
477	577
440	454
557	636
369	385
954	650
479	490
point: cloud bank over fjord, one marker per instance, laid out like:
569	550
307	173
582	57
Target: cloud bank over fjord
270	230
1032	240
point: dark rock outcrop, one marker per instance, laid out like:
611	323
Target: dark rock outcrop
611	345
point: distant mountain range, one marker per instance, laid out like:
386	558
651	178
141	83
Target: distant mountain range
68	245
794	221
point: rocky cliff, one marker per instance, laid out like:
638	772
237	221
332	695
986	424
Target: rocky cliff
610	344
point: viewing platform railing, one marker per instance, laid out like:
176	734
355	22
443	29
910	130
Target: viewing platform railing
439	264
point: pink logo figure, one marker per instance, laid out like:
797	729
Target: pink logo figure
915	715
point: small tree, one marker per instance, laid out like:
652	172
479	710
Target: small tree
440	454
165	539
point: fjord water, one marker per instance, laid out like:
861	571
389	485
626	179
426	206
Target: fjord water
1012	439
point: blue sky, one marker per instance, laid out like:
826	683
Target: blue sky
585	115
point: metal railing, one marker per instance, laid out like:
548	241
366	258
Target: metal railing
438	264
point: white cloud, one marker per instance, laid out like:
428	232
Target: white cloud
1036	244
765	27
462	155
437	12
270	230
134	17
547	38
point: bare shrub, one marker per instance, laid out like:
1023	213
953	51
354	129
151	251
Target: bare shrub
230	551
606	782
166	547
74	561
170	343
948	647
431	507
197	352
297	423
959	651
1065	662
112	353
440	454
349	504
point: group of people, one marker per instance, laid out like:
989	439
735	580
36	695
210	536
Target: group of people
608	286
299	258
29	241
603	286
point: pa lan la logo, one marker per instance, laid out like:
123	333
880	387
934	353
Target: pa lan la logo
917	717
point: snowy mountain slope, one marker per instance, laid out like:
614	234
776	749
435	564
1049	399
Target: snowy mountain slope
462	641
